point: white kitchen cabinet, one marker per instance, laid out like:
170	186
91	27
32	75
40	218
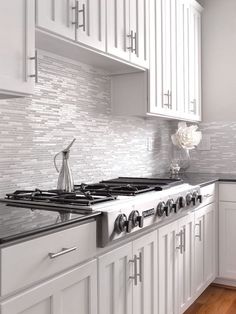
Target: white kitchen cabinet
205	235
83	21
175	265
17	53
68	293
128	30
127	278
172	86
227	249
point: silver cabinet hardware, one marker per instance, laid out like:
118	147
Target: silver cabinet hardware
180	247
62	252
77	12
133	42
207	195
140	274
131	36
184	239
194	104
136	273
169	99
35	58
199	235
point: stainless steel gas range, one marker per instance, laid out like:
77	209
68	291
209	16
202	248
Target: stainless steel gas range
121	206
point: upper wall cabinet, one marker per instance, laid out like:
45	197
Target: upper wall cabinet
17	54
128	30
172	87
82	21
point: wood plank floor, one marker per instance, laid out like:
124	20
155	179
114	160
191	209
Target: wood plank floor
215	300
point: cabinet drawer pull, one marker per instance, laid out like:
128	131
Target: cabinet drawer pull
199	235
131	36
140	274
35	58
62	252
136	273
207	195
169	100
135	43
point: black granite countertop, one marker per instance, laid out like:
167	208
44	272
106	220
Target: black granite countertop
203	179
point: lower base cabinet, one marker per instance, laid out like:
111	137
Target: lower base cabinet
175	265
70	293
186	259
128	278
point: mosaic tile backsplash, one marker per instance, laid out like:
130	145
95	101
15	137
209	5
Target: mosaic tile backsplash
73	100
222	154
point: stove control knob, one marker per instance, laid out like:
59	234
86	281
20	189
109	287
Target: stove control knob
196	197
122	224
180	203
136	219
189	198
161	209
170	205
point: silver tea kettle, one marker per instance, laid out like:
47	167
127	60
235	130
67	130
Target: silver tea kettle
65	179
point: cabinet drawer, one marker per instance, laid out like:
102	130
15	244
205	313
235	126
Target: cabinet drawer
208	193
227	192
28	262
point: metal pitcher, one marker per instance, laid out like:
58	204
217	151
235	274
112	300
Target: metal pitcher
65	179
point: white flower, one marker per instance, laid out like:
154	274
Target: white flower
186	137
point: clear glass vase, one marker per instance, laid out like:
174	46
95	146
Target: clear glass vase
181	157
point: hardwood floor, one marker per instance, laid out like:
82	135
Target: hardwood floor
215	300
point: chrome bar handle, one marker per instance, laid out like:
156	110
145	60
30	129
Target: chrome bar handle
35	58
62	252
82	11
200	231
168	99
184	239
135	270
180	247
194	103
140	274
131	36
76	8
135	50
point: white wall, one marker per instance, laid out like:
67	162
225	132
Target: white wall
219	60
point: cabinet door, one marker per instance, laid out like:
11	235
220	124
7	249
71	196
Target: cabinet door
194	99
227	249
90	25
17	37
56	16
73	292
115	284
186	263
145	290
168	243
139	25
205	234
118	42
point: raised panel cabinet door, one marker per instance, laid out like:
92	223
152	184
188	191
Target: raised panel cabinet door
56	16
145	288
72	292
168	247
17	37
91	22
139	25
227	236
186	263
118	30
194	101
114	283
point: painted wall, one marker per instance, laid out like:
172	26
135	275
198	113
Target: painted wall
73	100
219	61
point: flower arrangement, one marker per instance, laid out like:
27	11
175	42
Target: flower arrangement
186	137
